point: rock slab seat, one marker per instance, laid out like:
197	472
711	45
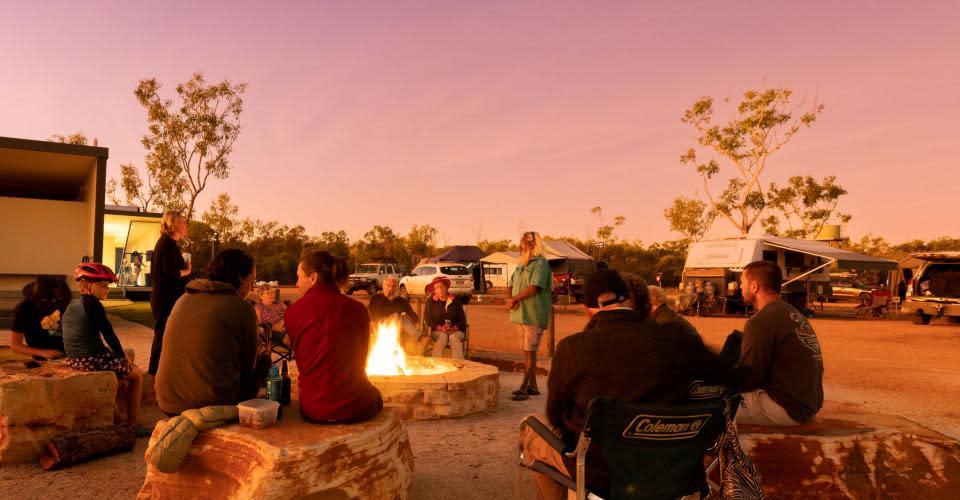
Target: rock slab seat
295	459
39	404
848	452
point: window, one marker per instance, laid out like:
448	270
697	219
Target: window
454	270
427	271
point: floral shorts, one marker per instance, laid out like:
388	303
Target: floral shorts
106	362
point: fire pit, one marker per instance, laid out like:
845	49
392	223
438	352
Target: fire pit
428	388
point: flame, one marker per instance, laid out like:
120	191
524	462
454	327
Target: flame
386	355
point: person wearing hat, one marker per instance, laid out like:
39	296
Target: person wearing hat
444	315
529	305
622	355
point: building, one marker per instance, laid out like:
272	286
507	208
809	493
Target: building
51	201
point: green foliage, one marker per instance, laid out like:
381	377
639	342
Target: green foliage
764	121
490	246
805	205
186	145
76	138
879	247
689	217
221	217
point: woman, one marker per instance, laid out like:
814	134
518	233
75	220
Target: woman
270	313
330	337
44	301
168	273
210	345
444	315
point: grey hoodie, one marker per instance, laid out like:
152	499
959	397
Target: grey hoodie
209	349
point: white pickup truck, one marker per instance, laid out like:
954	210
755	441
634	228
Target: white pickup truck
370	276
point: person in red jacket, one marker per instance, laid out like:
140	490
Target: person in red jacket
330	337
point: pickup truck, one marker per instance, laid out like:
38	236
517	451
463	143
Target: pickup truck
370	276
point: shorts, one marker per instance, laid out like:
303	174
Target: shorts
106	362
530	336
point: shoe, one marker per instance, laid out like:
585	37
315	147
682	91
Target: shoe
523	396
520	391
144	431
533	392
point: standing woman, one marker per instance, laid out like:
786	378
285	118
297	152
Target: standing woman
169	273
330	336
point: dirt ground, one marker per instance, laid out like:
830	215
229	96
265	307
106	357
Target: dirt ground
889	366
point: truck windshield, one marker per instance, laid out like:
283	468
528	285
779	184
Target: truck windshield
368	269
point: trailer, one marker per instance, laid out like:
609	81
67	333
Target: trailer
805	266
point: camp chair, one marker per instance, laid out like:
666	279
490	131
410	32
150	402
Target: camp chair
272	343
652	451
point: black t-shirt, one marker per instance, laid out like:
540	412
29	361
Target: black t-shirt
165	269
26	320
381	308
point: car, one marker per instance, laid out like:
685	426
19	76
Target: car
370	276
461	279
934	291
845	289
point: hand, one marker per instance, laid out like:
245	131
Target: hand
510	303
53	354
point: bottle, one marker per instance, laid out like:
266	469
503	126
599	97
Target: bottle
284	385
274	386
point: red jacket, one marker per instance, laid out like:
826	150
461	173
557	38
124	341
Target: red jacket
330	336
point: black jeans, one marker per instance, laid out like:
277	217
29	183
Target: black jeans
158	328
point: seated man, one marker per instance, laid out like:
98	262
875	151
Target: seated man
783	384
620	355
210	343
388	306
661	312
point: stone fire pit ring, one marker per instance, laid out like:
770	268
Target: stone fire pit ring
470	387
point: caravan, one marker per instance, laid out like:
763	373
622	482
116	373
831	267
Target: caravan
805	264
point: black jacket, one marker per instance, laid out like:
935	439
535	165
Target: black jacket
435	313
165	267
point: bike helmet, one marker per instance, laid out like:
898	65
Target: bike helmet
94	272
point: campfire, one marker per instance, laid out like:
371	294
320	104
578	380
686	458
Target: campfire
387	357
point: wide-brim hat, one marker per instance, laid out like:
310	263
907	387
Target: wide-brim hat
439	279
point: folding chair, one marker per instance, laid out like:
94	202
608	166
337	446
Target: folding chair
428	346
273	342
652	451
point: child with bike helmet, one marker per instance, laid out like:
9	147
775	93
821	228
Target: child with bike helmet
86	327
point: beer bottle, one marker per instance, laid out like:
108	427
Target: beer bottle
284	385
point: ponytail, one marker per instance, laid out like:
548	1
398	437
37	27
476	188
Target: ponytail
329	269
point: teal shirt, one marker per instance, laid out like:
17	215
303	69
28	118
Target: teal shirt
534	310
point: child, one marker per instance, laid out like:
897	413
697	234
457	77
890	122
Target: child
84	321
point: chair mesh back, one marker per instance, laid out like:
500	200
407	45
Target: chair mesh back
655	451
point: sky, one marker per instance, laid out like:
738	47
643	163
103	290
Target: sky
485	118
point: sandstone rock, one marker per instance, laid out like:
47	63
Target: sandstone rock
295	459
471	388
39	404
847	452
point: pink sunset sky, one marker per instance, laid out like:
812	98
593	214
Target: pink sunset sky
480	118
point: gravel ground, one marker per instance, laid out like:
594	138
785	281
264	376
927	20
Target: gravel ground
888	366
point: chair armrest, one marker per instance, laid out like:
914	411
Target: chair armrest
544	432
554	474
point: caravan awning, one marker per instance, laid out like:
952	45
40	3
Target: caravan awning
843	258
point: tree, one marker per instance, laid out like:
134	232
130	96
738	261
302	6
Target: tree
762	124
605	231
112	191
222	217
690	218
76	138
805	205
337	243
420	242
191	143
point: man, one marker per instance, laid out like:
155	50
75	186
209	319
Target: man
529	305
389	306
661	312
784	383
619	355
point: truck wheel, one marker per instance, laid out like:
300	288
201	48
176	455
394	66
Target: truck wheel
953	319
865	298
921	319
403	291
372	290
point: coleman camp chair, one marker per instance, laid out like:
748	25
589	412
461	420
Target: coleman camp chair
652	451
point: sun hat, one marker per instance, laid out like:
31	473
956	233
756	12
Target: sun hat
439	279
